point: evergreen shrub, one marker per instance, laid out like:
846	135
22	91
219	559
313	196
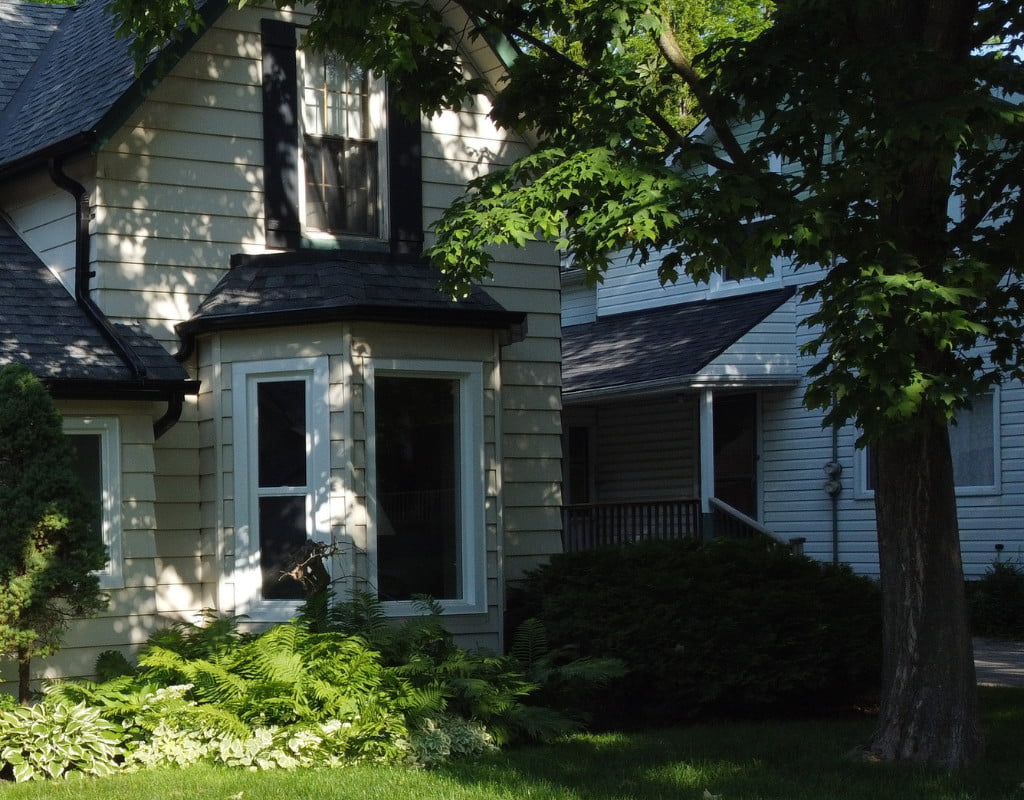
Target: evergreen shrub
725	628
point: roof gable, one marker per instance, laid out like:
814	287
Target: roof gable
665	346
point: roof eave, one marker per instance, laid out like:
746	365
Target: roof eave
683	384
81	143
513	322
96	389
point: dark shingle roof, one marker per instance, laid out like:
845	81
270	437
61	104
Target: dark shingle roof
658	345
77	78
25	29
291	288
42	327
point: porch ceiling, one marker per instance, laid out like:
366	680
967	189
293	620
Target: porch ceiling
659	348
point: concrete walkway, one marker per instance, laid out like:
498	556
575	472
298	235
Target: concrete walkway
999	663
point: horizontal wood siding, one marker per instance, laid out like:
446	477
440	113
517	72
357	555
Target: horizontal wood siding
646	450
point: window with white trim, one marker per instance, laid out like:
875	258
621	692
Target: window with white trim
426	483
96	442
282	467
343	149
974	442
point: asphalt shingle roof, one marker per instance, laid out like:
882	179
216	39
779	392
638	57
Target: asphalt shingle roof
80	73
42	327
25	29
659	344
281	289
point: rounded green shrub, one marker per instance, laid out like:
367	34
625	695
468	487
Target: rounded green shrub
725	628
996	601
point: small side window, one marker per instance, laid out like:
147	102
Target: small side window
97	446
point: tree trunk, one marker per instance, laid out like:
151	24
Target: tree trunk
929	708
24	674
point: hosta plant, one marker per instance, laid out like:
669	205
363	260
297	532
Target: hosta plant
52	740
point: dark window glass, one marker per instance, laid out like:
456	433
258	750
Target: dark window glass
418	541
89	467
579	465
282	533
281	420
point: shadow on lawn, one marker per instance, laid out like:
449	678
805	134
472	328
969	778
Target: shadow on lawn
795	760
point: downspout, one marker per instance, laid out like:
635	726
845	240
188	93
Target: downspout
136	368
82	274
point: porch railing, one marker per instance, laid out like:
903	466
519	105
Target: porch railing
586	527
729	523
589	526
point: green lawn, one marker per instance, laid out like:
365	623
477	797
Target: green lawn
784	760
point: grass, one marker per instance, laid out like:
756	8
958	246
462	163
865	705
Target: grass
794	760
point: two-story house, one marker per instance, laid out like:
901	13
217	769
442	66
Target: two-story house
215	269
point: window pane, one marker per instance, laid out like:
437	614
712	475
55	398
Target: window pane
339	149
89	467
418	540
972	445
971	442
341	185
281	420
282	533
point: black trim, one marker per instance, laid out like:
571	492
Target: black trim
405	178
281	154
86	389
280	135
82	274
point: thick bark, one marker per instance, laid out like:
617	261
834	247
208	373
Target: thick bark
24	675
929	709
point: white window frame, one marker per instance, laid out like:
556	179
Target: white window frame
379	129
246	574
862	491
472	531
109	431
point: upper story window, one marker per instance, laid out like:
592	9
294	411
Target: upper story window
342	147
341	166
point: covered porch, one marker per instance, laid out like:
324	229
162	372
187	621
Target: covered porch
661	420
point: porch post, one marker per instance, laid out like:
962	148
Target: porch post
707	461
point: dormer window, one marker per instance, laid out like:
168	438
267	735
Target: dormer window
342	148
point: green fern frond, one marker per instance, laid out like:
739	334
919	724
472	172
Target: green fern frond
596	671
530	643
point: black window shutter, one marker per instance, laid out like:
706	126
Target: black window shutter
280	135
405	194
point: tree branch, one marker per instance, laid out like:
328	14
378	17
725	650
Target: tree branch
680	64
